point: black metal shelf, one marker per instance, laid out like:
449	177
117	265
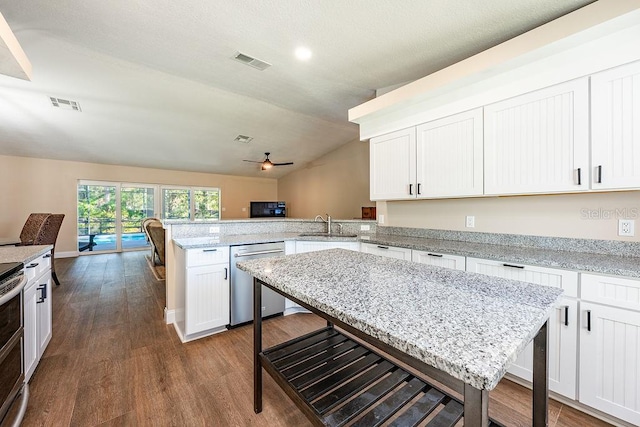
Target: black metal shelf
337	381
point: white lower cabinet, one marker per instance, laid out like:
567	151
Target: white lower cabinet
610	346
562	325
207	298
455	262
387	251
37	313
202	291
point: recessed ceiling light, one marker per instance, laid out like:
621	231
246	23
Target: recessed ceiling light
303	53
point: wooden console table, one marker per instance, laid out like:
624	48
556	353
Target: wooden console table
398	307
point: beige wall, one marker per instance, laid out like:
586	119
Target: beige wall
39	185
336	183
589	216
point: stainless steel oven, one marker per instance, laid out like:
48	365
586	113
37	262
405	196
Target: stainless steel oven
12	282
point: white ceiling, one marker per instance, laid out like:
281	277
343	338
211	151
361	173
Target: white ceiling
158	88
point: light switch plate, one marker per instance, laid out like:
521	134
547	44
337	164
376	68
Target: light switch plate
214	230
626	227
365	227
380	219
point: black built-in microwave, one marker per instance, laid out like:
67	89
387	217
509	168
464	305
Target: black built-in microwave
268	209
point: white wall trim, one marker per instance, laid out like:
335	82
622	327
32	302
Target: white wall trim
169	316
68	254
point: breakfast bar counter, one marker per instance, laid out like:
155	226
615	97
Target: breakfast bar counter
461	329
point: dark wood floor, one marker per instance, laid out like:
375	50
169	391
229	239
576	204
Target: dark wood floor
112	361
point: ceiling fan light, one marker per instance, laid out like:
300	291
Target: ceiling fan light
266	165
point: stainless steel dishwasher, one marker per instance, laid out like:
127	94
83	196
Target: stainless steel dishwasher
242	283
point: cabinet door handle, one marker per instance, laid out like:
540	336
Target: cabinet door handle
589	320
32	265
599	175
566	315
209	250
579	176
383	247
47	256
418	189
435	255
513	266
411	189
226	273
43	294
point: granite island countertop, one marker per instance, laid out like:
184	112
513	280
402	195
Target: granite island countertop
24	254
468	325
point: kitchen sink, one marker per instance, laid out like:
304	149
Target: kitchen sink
327	235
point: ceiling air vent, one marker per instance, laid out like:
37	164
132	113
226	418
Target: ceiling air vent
65	104
243	138
252	62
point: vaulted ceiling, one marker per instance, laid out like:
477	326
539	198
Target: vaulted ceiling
158	86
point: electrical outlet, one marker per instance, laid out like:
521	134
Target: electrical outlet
244	209
470	221
380	219
365	227
214	230
626	227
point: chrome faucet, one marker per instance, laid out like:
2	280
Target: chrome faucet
328	221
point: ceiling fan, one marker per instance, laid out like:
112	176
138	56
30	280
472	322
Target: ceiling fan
268	164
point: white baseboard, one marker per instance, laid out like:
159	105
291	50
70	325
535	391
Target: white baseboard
169	316
68	254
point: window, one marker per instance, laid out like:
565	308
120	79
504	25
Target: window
190	203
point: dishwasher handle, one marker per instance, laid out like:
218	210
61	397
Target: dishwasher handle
272	251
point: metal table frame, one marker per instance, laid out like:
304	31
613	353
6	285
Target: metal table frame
476	401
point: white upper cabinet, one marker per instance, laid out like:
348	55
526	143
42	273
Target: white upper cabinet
449	156
615	127
393	165
538	142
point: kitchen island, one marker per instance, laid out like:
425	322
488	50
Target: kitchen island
462	329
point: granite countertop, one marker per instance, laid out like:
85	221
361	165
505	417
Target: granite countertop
22	254
618	265
579	261
468	325
248	239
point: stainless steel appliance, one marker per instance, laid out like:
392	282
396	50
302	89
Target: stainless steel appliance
242	283
12	282
268	210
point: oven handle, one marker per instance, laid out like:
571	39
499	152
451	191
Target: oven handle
24	400
13	292
273	251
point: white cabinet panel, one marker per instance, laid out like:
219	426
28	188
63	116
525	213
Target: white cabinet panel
30	330
563	326
538	142
615	127
564	279
449	156
393	166
455	262
610	360
386	251
207	298
617	291
303	246
37	311
44	311
207	256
